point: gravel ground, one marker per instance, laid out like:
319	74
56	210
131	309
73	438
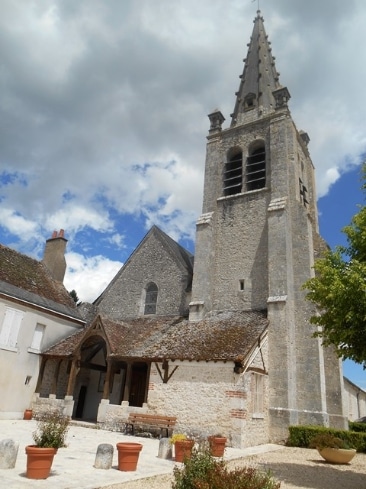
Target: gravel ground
296	468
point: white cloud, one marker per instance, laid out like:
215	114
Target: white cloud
75	217
104	104
328	178
89	276
16	224
117	240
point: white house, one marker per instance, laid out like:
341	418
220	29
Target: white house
35	312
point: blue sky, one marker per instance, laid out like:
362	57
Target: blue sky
335	211
104	115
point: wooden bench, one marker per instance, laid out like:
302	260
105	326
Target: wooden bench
165	423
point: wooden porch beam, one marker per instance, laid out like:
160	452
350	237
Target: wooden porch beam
93	366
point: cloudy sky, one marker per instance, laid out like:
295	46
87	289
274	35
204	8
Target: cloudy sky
104	109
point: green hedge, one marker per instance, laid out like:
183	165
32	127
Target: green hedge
359	427
300	436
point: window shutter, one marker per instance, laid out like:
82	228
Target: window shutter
38	336
10	328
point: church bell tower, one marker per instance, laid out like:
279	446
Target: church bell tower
258	236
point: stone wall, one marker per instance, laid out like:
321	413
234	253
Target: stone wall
206	398
44	405
241	259
232	244
355	401
151	262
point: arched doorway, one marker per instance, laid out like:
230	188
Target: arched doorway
89	383
138	384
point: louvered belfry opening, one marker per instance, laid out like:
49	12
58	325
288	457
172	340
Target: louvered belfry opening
256	169
233	174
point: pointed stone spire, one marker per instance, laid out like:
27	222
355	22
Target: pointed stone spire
259	79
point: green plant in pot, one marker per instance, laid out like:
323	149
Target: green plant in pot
50	435
182	446
332	448
178	437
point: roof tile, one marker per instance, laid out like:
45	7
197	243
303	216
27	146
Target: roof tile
224	336
28	279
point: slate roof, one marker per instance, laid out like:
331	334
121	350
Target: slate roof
29	280
224	336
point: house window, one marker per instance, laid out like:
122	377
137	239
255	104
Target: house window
151	298
256	169
38	337
258	395
10	328
233	174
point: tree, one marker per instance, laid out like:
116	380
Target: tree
74	296
339	291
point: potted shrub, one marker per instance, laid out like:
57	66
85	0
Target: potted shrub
333	449
49	436
217	445
182	446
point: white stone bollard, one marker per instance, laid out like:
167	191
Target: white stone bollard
104	456
8	453
165	449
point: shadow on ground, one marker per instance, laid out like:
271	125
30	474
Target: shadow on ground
321	475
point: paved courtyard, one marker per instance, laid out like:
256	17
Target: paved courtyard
73	466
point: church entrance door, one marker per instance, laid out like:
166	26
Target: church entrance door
138	384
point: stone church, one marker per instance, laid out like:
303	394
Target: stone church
222	341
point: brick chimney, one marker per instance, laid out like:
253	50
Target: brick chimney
54	255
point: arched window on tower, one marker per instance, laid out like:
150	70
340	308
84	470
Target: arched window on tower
151	298
256	169
233	174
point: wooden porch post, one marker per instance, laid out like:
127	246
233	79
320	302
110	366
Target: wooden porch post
41	374
55	377
147	381
108	379
126	393
72	377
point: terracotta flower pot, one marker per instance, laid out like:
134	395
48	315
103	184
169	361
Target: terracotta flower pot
39	461
217	445
128	455
337	455
183	449
28	413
